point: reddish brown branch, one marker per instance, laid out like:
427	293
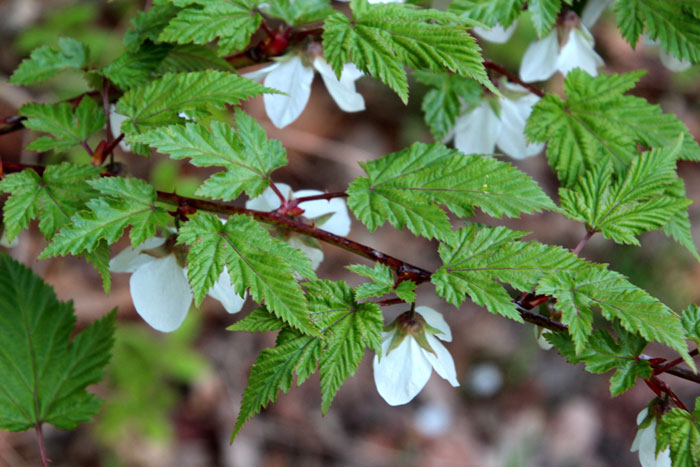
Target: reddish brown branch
513	78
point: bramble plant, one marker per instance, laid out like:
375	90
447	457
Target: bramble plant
177	90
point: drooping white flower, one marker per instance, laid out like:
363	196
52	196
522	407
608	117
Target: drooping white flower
410	351
645	443
330	215
159	287
497	34
499	122
546	56
293	76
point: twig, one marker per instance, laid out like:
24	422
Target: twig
583	242
512	77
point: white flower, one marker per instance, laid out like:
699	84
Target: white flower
293	77
592	11
542	341
497	34
330	215
645	443
546	56
498	122
406	363
668	60
159	286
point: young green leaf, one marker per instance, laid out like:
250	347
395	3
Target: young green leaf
543	14
44	373
488	12
258	320
678	226
148	25
69	126
52	197
382	39
247	155
598	123
192	57
481	257
690	320
406	187
681	431
299	12
124	202
382	283
46	61
256	262
138	67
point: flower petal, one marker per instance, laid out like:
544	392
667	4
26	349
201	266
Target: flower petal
343	90
672	63
477	130
593	10
578	52
161	293
402	374
223	291
540	59
293	78
442	363
514	114
115	126
338	223
130	259
260	74
437	321
497	34
269	201
315	255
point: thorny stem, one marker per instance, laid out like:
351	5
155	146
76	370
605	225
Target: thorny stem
42	446
513	78
663	368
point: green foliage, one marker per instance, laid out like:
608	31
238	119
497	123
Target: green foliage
670	22
597	123
604	353
258	320
579	293
382	39
124	202
256	262
406	187
45	62
298	12
443	103
69	125
382	283
690	320
247	155
53	197
681	431
489	12
44	373
136	68
482	256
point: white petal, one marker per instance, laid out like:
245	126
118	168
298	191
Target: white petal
593	10
540	59
436	320
161	293
260	74
130	259
115	126
497	34
343	90
293	78
578	53
402	374
672	63
443	363
315	255
223	291
476	131
269	201
514	114
7	244
338	223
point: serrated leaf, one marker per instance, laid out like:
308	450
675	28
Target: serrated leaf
482	256
69	126
604	353
678	227
681	431
406	187
44	374
52	197
258	320
148	25
46	61
382	39
247	155
543	14
298	12
124	202
256	262
232	22
579	293
489	12
192	57
690	320
597	123
138	67
382	283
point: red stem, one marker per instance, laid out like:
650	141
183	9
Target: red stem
667	366
42	447
513	78
583	242
279	194
328	196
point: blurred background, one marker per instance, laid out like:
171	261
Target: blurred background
172	399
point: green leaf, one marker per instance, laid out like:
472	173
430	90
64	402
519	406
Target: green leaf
669	22
604	353
482	256
46	61
630	204
598	123
543	14
232	22
678	226
159	103
382	283
578	293
443	103
53	197
192	57
70	126
299	12
255	261
136	68
247	155
124	202
489	12
259	320
148	25
690	320
382	39
44	374
406	187
681	431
